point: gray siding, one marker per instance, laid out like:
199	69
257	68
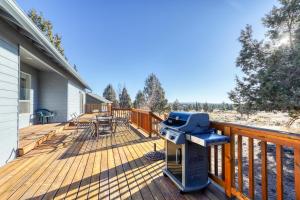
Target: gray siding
53	94
27	119
9	95
74	99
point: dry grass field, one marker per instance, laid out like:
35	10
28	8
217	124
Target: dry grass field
270	120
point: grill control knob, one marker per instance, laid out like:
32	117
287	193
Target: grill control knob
163	133
172	137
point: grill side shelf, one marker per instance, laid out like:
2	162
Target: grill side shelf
207	139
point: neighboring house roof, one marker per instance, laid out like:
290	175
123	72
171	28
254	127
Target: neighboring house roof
17	16
98	97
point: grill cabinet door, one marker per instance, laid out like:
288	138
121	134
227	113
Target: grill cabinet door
174	160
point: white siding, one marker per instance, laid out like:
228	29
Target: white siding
9	79
53	94
74	99
27	119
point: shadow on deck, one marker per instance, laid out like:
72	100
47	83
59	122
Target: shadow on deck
70	166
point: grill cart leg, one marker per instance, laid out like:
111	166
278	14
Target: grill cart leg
165	175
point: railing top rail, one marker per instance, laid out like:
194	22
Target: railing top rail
155	116
141	111
275	136
128	109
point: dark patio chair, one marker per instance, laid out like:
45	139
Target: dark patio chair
84	124
122	121
44	115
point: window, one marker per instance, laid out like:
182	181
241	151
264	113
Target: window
25	84
81	102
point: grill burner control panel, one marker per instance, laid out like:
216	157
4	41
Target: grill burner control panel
173	136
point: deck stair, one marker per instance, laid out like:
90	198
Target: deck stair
33	136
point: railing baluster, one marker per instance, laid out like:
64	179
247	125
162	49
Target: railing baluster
209	158
240	163
251	168
264	170
216	159
223	161
279	186
297	171
150	123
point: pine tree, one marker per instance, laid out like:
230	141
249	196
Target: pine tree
271	67
47	28
139	101
155	94
197	106
176	105
110	94
124	99
205	107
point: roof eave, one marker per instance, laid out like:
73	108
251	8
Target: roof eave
21	18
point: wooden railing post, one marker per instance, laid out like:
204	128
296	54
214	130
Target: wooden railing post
297	171
109	109
229	162
150	123
138	119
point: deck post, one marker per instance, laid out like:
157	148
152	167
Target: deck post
150	123
297	171
229	162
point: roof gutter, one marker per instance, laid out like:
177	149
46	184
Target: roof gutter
25	22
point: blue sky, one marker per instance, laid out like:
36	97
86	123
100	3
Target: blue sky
191	45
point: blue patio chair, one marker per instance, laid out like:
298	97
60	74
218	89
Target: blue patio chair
43	115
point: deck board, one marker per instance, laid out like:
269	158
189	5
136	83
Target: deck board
82	167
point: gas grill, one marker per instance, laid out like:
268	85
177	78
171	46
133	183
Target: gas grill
187	136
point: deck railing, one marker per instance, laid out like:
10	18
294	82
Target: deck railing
90	108
142	119
230	153
226	159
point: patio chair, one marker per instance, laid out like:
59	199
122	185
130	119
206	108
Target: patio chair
44	115
80	125
104	123
122	121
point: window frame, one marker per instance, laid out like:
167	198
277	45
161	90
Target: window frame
29	88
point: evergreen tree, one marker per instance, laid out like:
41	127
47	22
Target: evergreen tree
139	101
197	107
124	99
205	107
47	28
155	94
271	67
176	105
211	107
110	94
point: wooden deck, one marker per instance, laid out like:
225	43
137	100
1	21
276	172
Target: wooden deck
32	136
82	167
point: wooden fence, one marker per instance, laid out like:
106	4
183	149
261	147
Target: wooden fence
90	108
231	155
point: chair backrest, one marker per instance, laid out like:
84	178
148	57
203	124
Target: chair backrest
43	112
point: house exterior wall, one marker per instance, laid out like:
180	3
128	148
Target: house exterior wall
9	95
27	119
50	90
53	94
74	104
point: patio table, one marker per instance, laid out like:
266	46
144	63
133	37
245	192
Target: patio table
100	122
